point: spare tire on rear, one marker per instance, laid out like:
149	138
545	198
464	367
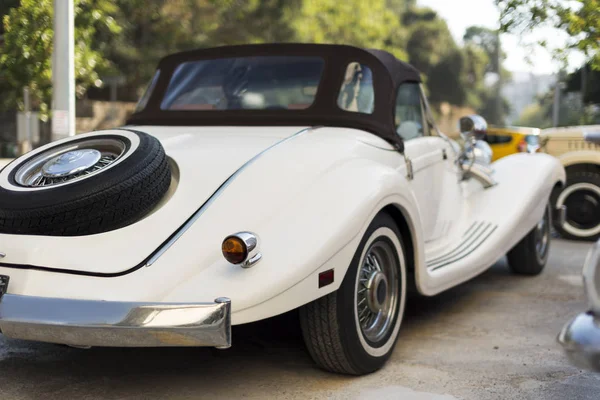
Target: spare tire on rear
88	184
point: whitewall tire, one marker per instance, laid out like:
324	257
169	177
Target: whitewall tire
581	196
354	330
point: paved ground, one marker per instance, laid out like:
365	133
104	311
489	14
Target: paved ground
491	338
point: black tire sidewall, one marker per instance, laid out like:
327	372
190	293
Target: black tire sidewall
111	199
524	258
349	333
582	176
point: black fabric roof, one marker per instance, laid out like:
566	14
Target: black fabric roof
388	74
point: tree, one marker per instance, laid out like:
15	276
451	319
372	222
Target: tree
540	113
27	50
355	22
574	83
487	40
429	40
5	7
152	29
579	18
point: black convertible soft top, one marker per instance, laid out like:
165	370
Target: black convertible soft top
388	74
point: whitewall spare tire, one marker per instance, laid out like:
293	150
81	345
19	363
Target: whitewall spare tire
83	185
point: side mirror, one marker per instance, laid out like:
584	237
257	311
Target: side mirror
472	126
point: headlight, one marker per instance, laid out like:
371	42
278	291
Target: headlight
591	278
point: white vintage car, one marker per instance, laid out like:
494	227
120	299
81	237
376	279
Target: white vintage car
254	180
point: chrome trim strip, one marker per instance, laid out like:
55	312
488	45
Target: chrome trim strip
465	243
216	195
469	230
116	324
459	257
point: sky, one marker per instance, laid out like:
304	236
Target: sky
460	14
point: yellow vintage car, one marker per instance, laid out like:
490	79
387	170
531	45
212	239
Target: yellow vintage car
509	140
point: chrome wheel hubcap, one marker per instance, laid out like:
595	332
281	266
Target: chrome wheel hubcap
70	162
377	291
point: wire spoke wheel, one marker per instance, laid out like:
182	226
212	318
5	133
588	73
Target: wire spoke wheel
70	162
377	291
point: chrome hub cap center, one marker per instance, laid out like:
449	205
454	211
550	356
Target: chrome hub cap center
70	163
377	288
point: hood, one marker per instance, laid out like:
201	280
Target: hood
203	157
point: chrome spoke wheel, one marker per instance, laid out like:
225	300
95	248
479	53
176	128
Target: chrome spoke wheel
377	291
69	162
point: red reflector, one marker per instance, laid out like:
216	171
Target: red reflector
326	278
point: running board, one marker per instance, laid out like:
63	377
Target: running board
474	237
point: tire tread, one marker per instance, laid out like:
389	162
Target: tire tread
322	337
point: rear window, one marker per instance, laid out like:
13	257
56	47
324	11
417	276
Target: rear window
245	83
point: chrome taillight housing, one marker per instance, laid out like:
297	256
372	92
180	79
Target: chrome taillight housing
242	248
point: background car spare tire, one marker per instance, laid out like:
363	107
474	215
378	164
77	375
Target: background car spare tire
108	200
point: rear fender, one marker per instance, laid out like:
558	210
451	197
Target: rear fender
317	231
312	222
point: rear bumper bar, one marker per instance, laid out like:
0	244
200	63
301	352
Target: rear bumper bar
88	323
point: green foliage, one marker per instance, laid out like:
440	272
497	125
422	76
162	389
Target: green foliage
27	52
571	112
429	40
579	18
487	40
128	37
355	22
592	84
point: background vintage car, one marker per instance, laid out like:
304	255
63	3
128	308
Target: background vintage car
508	140
581	194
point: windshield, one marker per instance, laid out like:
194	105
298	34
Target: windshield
261	83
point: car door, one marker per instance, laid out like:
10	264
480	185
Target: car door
431	157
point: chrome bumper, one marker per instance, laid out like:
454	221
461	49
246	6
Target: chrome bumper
85	323
580	339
